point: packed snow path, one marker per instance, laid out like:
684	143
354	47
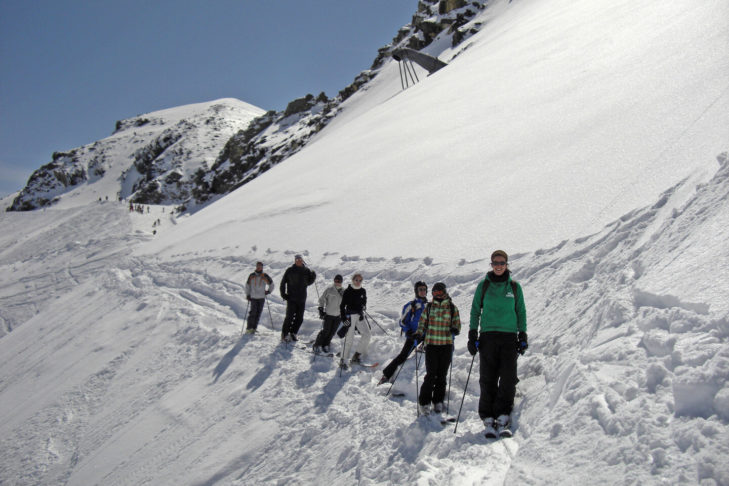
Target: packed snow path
124	369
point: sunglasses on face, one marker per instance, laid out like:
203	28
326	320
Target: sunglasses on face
357	280
498	264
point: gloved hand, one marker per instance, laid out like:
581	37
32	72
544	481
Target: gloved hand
322	315
418	337
285	296
472	342
523	343
361	317
268	292
248	298
343	329
455	331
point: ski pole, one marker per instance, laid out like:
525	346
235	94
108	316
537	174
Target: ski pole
315	285
248	302
269	312
378	325
398	373
417	379
341	358
464	393
417	390
450	375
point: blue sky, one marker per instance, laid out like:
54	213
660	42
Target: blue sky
70	69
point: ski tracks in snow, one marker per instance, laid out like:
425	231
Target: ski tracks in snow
138	373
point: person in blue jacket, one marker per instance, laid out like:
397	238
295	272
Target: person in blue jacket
409	324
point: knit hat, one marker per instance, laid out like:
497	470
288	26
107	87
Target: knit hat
338	278
439	286
501	253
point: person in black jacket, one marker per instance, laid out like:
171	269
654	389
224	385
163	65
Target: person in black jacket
354	303
293	290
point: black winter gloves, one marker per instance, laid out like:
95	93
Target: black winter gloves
472	342
343	331
322	315
522	343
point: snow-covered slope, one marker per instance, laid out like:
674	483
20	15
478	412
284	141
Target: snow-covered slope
138	374
122	363
150	158
555	120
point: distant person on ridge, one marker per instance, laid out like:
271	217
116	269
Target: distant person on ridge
352	308
437	326
293	290
409	319
499	313
256	293
329	312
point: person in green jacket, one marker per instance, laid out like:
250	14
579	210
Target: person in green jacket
498	333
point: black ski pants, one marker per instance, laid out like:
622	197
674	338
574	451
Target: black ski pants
437	362
498	354
329	327
255	313
407	349
294	317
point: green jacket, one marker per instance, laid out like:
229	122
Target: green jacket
436	322
499	312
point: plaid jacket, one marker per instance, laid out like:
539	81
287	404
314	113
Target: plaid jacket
436	322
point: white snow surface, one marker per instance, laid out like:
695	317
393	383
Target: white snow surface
553	121
592	160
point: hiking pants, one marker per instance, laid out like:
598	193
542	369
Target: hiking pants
329	327
294	317
497	353
255	313
364	341
437	362
407	349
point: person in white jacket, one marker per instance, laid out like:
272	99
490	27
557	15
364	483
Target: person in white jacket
256	292
329	313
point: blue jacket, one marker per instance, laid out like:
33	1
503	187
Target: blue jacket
411	315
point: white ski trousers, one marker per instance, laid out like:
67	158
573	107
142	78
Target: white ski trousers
364	340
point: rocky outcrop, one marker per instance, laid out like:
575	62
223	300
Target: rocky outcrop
49	182
192	160
150	159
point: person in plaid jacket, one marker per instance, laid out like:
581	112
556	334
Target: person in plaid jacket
439	324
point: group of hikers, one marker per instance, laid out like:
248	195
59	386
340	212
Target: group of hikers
497	331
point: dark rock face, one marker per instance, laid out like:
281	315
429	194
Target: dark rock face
50	181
